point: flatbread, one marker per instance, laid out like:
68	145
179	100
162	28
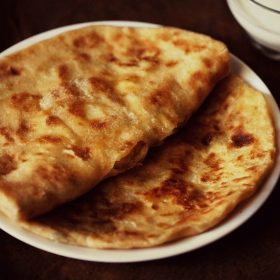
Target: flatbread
88	103
186	186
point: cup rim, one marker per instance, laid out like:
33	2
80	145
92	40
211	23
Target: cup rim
265	6
241	16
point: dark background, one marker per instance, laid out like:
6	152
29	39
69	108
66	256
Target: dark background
250	252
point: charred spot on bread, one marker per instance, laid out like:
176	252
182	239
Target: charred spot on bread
240	140
7	164
25	101
81	152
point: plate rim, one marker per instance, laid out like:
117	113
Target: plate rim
248	209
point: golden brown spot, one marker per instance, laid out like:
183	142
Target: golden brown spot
205	178
105	72
197	77
103	212
248	185
69	88
23	129
240	157
7	164
242	139
53	120
132	78
98	124
161	96
260	155
178	189
83	57
254	154
141	51
14	71
165	36
197	80
50	139
210	176
6	133
155	207
101	84
132	233
109	57
241	178
57	174
231	126
55	93
88	41
25	101
130	63
187	46
152	66
135	49
6	70
105	87
77	108
171	63
252	168
137	52
149	53
127	145
212	196
131	31
207	62
212	161
63	72
81	152
126	208
182	44
117	36
179	163
197	48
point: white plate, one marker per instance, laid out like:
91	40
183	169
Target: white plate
182	246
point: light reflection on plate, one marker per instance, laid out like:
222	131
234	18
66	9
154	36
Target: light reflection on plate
238	217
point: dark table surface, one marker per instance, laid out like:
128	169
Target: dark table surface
250	252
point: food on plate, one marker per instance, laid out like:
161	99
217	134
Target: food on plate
87	104
184	187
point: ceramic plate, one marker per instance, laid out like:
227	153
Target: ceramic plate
238	217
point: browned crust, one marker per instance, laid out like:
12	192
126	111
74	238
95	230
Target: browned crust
67	109
185	187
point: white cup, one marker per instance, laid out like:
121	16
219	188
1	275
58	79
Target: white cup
261	20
